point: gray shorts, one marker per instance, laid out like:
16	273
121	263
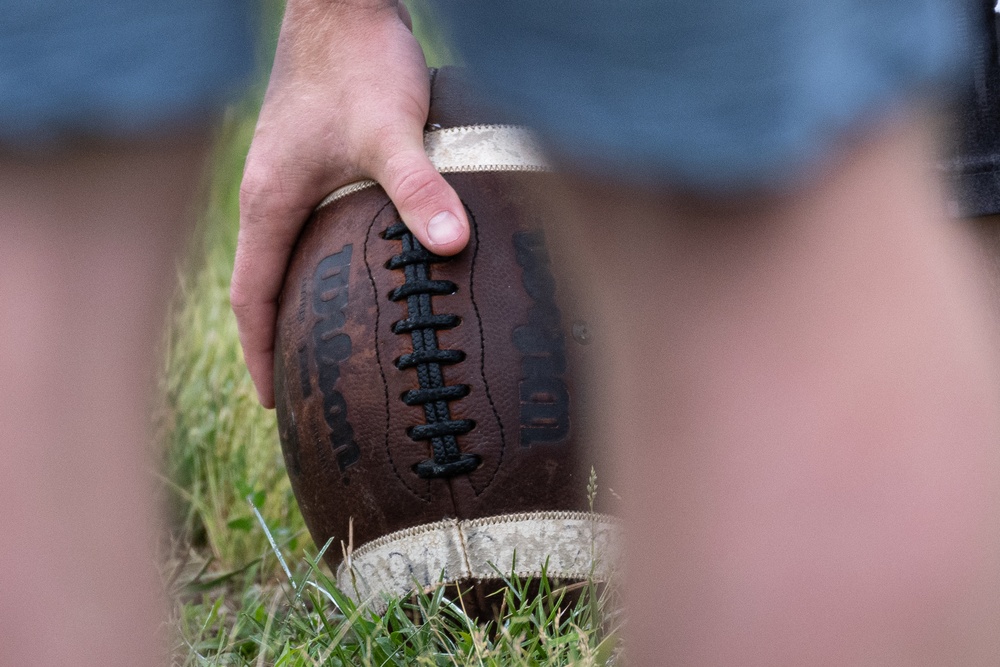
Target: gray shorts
710	94
118	67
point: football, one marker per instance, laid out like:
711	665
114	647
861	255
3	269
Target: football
427	408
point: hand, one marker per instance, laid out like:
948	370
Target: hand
347	100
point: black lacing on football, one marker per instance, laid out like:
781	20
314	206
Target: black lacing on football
423	324
426	322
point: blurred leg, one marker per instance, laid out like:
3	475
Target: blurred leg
802	403
88	241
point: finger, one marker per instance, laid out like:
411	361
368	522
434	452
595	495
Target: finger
269	228
428	206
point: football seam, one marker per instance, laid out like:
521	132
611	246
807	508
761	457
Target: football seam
482	355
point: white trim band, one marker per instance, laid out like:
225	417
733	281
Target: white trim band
471	148
568	545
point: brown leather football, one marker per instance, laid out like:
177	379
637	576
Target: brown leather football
426	405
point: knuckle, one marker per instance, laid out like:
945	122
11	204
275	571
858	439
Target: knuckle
416	185
237	298
241	294
256	186
241	303
269	189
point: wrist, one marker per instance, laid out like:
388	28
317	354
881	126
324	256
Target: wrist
317	35
339	9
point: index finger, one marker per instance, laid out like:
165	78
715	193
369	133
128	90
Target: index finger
268	231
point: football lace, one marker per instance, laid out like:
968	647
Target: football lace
427	358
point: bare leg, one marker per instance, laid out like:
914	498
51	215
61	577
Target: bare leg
803	401
88	239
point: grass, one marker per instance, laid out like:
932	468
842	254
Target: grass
234	522
221	445
306	620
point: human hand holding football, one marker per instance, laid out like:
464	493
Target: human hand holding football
347	100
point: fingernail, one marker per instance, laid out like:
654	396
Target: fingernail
443	228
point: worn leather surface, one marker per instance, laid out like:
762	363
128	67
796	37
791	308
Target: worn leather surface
343	424
454	103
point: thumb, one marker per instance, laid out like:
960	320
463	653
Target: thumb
428	206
